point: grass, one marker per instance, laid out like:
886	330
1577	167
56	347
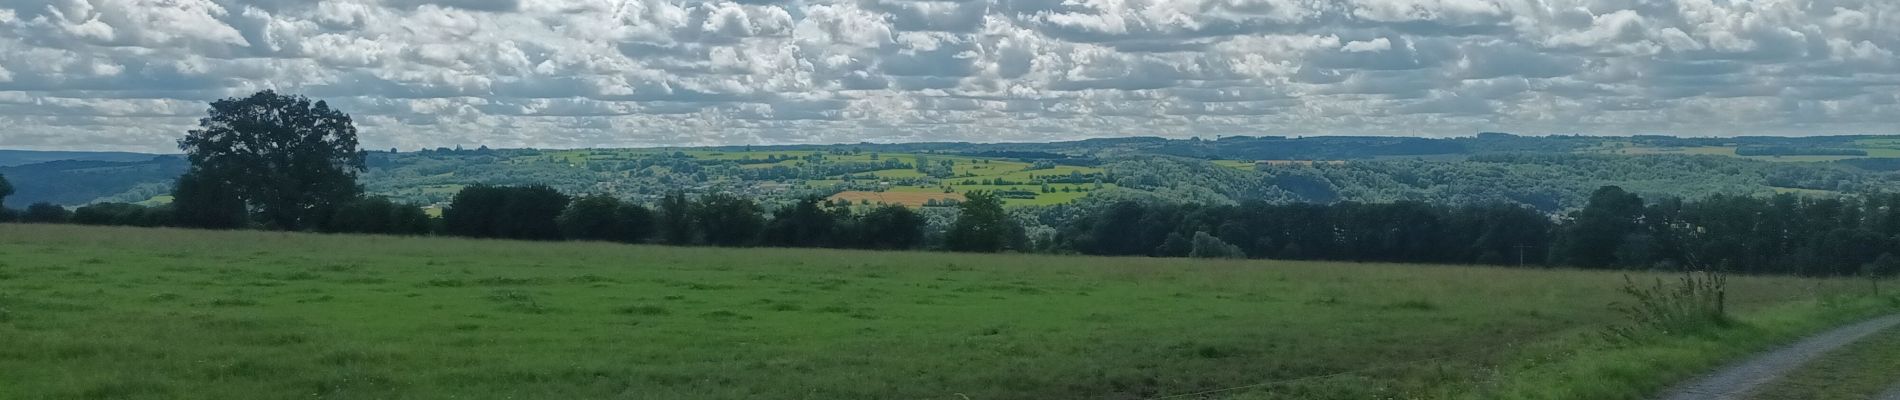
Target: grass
155	201
157	313
1588	369
1859	371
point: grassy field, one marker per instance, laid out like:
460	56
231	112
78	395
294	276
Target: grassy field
154	313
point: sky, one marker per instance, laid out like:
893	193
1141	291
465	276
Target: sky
137	74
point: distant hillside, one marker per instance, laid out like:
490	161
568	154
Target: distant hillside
9	158
70	182
1551	173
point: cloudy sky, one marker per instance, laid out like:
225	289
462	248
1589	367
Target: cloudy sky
135	74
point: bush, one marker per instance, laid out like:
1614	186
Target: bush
122	214
1208	246
46	213
379	216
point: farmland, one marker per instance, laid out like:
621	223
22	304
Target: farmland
154	313
1552	174
911	199
852	175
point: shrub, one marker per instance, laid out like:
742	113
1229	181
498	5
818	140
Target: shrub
46	213
123	214
1692	303
1208	246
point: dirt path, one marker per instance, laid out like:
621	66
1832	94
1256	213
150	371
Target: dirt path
1735	381
1892	393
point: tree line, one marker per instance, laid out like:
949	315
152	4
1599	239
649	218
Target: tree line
1782	234
719	219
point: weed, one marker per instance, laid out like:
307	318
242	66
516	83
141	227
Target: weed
1693	302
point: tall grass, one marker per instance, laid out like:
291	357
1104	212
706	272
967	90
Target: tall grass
1691	303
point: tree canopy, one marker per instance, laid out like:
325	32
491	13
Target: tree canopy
506	212
982	225
288	158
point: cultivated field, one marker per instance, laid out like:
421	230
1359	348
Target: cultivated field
153	313
911	199
969	173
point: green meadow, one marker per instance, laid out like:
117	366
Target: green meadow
113	313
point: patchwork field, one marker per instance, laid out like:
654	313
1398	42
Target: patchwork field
968	173
155	313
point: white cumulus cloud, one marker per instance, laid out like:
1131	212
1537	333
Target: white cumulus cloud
135	74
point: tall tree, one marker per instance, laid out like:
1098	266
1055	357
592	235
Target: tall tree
676	219
292	160
473	210
593	217
1602	227
890	227
728	220
805	223
982	225
530	213
636	223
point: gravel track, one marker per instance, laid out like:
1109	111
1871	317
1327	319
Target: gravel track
1736	381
